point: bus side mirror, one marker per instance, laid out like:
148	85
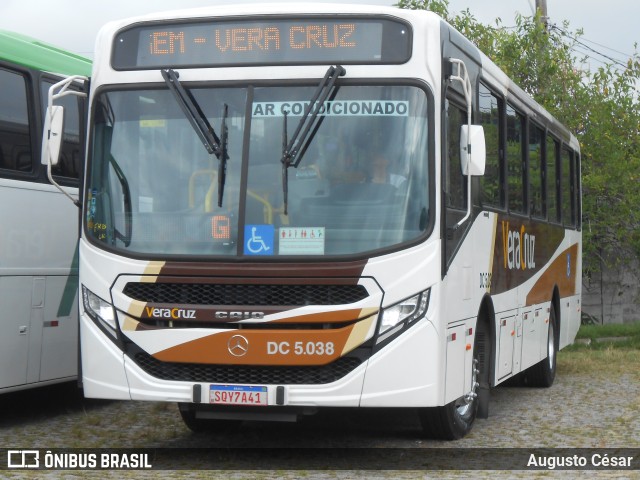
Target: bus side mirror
472	139
52	135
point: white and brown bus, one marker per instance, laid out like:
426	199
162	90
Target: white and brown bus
320	206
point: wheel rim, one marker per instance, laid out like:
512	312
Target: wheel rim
464	405
551	346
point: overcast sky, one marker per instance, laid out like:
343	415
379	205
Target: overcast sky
73	25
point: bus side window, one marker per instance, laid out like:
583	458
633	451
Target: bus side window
551	170
536	178
455	182
578	189
492	181
515	170
15	137
567	180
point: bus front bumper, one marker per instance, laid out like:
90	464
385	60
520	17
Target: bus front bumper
402	374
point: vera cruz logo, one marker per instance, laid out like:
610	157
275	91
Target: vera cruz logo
518	247
173	313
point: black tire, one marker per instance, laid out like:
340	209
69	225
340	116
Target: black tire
446	423
542	374
454	420
205	425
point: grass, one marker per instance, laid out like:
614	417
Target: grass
609	361
601	354
627	336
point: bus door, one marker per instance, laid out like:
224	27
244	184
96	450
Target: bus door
459	77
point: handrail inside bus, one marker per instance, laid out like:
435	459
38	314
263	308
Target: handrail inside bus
192	183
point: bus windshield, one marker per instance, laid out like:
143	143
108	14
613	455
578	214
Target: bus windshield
361	185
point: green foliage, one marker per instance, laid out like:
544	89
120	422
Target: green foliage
441	7
601	107
611	163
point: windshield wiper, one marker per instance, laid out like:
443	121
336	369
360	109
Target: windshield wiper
294	149
222	164
201	125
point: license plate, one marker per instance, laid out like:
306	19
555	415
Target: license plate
237	395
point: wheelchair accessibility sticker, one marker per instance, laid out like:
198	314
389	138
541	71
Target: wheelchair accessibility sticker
258	239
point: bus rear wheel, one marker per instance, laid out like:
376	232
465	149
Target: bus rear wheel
543	373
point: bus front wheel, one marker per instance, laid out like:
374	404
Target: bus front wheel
454	420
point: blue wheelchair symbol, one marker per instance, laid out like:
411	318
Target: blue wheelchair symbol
258	239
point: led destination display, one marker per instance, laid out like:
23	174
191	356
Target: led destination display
250	42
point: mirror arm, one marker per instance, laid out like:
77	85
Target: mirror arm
62	87
76	202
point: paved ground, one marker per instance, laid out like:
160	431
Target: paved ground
580	410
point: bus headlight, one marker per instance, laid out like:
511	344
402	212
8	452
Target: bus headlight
399	316
99	310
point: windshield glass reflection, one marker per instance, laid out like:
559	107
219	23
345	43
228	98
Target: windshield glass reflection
361	185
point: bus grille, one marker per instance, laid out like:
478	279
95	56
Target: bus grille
230	294
240	374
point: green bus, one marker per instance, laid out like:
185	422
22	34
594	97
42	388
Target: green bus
38	238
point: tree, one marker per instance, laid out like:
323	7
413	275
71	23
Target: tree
600	107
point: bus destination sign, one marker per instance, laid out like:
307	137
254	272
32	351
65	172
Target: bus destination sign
266	42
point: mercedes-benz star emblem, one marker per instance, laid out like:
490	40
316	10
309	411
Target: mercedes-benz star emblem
238	346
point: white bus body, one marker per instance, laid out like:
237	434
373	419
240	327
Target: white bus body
39	330
304	302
